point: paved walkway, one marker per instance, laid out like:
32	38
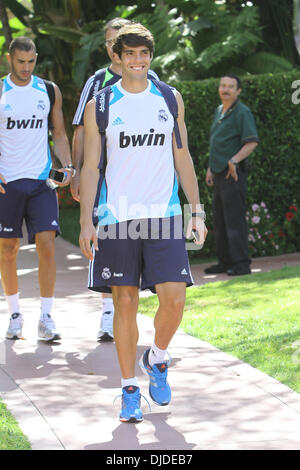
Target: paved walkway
62	394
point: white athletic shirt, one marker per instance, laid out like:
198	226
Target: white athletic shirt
140	180
24	150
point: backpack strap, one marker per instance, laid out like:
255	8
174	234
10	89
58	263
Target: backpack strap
97	77
102	78
1	87
172	104
51	93
102	116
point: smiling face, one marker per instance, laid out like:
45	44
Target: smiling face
22	64
228	90
135	61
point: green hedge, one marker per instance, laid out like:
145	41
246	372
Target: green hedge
274	170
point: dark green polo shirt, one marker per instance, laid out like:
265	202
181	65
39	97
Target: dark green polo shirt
229	133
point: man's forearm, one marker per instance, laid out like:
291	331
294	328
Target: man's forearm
245	151
61	149
88	190
78	147
189	183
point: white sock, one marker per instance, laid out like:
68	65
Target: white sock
156	355
46	305
127	382
107	305
13	303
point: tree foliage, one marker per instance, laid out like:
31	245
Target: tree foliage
195	39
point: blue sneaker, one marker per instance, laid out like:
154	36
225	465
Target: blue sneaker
131	402
159	389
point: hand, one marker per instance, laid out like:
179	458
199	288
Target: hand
209	178
74	186
88	234
197	228
68	172
232	171
2	181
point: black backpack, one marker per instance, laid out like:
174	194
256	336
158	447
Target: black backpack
51	94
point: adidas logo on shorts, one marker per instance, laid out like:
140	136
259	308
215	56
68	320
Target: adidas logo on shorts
184	272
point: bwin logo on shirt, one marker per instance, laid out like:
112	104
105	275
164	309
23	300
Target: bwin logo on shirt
140	140
24	123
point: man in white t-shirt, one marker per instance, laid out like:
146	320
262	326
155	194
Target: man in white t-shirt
25	163
139	233
102	78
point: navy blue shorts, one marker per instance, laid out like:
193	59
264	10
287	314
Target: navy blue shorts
140	253
29	200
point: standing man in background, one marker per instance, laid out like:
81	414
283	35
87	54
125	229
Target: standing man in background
102	78
25	162
233	138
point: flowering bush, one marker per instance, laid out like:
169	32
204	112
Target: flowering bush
291	229
65	198
264	234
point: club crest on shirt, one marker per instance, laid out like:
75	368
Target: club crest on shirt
162	115
41	105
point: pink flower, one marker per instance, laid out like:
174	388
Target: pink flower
256	219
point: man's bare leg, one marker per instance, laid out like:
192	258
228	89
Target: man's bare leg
171	297
126	299
9	248
45	246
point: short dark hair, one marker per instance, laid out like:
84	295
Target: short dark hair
116	23
134	34
232	75
21	43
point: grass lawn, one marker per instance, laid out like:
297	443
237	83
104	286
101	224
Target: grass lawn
11	437
254	318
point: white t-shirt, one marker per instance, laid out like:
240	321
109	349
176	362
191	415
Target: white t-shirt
24	149
140	180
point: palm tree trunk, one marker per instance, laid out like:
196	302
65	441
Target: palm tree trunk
5	25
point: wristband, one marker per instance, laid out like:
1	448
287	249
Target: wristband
232	161
201	214
72	167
